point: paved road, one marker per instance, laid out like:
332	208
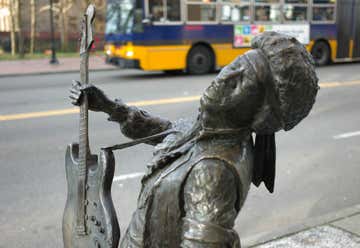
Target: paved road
316	173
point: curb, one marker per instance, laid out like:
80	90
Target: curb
53	72
265	237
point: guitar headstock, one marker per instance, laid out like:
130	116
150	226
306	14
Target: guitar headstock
87	37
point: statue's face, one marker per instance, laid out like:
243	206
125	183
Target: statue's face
235	94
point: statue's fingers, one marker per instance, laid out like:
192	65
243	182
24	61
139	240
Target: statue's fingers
75	103
76	83
75	91
77	86
75	97
74	100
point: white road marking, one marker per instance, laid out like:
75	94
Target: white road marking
347	135
140	174
128	176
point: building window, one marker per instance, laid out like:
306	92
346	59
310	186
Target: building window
4	16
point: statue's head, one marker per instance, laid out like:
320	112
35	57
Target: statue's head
269	88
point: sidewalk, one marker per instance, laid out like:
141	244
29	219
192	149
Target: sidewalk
336	230
42	66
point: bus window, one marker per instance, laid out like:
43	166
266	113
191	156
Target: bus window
236	1
165	10
138	17
205	12
322	14
266	1
267	13
295	13
231	12
173	10
119	17
156	8
297	1
324	1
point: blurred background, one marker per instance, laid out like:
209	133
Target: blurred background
160	55
25	26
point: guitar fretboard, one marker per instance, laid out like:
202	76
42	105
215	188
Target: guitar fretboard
84	150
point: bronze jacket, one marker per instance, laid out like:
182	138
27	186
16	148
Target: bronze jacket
193	201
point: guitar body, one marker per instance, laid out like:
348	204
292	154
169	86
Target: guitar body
101	225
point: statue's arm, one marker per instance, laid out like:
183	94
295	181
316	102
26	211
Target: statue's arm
134	123
210	195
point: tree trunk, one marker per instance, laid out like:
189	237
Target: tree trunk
63	25
33	25
13	27
20	31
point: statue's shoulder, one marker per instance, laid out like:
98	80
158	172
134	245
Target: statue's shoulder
231	151
238	157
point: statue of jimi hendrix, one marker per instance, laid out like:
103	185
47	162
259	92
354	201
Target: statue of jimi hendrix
201	171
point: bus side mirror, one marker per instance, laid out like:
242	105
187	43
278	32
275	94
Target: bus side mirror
148	20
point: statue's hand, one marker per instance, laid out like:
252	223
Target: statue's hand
97	99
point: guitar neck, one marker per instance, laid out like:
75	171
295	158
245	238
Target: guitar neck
84	116
84	150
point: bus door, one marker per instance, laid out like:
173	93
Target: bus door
344	28
348	29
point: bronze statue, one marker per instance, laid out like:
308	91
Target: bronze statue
201	171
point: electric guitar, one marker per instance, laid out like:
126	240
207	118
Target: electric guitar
89	217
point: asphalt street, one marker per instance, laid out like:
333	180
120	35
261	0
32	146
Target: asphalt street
317	163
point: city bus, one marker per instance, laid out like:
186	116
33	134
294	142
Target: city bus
199	36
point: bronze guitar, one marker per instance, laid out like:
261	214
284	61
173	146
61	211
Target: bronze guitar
89	217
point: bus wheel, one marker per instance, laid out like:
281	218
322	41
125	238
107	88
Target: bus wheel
321	53
200	60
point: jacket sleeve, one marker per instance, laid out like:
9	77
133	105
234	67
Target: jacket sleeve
136	123
210	195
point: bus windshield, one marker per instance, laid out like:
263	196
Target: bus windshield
120	16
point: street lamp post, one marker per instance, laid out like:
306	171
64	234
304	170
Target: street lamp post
53	53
